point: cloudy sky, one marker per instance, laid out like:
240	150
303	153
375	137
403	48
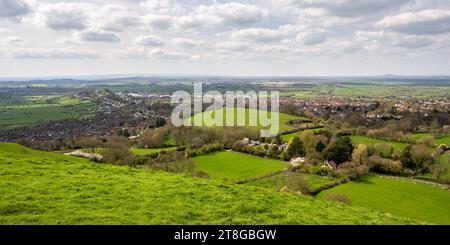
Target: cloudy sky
253	37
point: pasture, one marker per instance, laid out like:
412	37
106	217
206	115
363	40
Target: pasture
444	139
276	182
34	110
207	118
397	196
236	166
145	151
287	137
397	146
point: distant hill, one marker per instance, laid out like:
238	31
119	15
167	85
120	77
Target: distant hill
50	188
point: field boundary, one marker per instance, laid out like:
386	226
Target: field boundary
251	179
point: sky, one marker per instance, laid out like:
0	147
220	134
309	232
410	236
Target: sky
253	38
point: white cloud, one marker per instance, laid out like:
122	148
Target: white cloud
113	17
414	42
232	46
425	22
12	40
353	8
162	54
163	6
148	40
157	21
312	37
13	8
130	53
257	34
4	30
64	16
188	21
187	42
97	36
55	53
235	14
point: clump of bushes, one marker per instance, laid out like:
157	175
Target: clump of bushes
117	151
384	165
298	183
351	171
200	174
209	148
172	161
338	197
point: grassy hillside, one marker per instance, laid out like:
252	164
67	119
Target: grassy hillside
234	165
50	188
398	197
283	118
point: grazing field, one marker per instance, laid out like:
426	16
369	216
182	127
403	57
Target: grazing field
397	196
394	90
33	110
49	188
287	137
397	146
445	139
236	166
283	118
276	182
145	151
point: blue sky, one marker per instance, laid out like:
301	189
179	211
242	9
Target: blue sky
271	37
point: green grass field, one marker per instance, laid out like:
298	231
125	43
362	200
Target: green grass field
50	188
398	197
445	139
144	151
287	137
397	146
278	181
283	118
236	166
33	110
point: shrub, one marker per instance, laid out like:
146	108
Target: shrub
172	161
351	170
384	165
200	174
338	197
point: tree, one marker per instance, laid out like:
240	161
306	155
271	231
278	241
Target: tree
359	155
438	170
406	158
160	121
320	146
416	157
295	148
421	157
339	150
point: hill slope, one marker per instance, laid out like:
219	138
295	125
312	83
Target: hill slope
49	188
